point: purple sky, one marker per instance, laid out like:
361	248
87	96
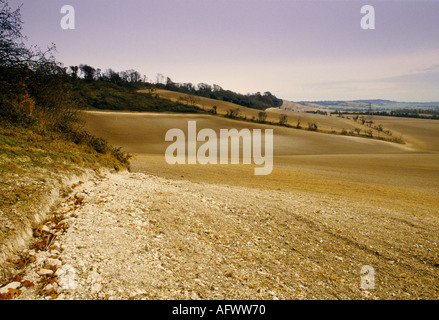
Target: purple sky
298	50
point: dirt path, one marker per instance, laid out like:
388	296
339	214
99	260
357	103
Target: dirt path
137	236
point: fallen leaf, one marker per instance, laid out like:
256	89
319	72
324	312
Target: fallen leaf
5	296
53	294
27	283
14	292
50	267
18	278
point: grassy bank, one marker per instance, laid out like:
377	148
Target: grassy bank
36	169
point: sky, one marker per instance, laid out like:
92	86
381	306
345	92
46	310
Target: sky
299	50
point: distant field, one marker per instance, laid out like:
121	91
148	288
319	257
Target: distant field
390	174
421	133
222	106
325	123
296	113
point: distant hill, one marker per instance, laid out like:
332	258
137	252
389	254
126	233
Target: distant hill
298	107
375	104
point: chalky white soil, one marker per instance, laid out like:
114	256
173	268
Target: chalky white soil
137	236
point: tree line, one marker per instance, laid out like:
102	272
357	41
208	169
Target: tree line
134	78
255	101
89	73
431	113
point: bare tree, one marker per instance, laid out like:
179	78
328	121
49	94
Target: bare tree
74	71
192	99
262	116
233	113
312	126
88	71
13	51
112	76
124	76
283	119
160	78
363	120
379	128
133	76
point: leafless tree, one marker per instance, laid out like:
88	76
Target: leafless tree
262	116
13	51
283	119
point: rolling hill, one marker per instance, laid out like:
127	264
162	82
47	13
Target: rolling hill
297	114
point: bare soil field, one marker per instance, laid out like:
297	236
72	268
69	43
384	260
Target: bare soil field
303	160
332	205
325	123
422	133
138	236
295	112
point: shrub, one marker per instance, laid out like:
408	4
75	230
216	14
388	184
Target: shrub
283	119
233	113
312	126
262	117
